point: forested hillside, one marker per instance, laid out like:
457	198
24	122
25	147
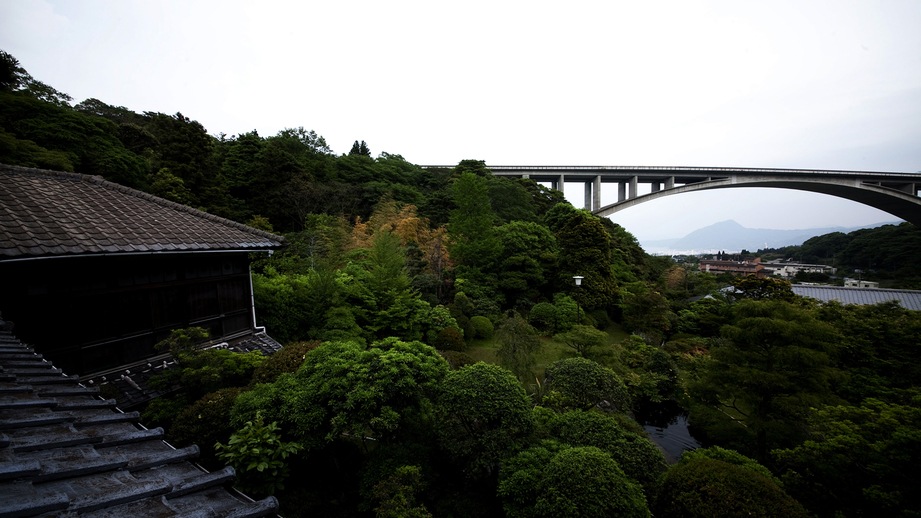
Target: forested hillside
890	254
439	359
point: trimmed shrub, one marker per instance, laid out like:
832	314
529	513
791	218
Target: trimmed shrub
601	318
640	459
543	316
731	457
484	416
555	480
705	487
450	339
479	327
457	359
288	359
205	423
581	383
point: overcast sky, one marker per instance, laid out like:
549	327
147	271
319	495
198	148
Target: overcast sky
815	85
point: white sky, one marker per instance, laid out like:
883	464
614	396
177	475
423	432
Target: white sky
789	84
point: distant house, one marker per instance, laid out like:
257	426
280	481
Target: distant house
94	273
741	268
857	283
788	270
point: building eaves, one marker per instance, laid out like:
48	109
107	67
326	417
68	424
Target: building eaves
50	213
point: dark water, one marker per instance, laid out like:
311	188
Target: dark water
667	426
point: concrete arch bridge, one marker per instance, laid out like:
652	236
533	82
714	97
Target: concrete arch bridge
895	193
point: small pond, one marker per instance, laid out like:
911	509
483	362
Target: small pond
667	426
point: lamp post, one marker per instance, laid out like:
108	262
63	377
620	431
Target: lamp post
578	279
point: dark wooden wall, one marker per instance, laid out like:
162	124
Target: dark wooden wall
90	314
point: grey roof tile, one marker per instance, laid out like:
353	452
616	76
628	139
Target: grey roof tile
49	213
67	457
908	299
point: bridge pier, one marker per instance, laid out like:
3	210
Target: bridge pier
621	191
655	186
593	194
670	182
557	183
596	193
633	183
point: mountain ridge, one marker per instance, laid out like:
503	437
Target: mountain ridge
730	236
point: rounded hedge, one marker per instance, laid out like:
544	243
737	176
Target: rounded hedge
556	480
703	488
450	339
479	327
583	384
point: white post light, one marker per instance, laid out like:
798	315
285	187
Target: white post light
578	279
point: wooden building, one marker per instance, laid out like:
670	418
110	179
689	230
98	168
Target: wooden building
95	273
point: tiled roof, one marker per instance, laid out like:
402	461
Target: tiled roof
50	213
66	452
908	299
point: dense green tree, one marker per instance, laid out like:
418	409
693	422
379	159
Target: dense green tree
518	345
555	480
878	349
859	460
585	249
377	393
258	455
474	167
472	227
242	165
763	288
529	255
484	417
204	423
36	133
582	339
10	71
706	487
640	459
645	310
775	364
729	457
581	383
510	200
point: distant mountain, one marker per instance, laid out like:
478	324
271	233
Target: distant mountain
730	236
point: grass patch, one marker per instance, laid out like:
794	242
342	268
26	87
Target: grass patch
552	351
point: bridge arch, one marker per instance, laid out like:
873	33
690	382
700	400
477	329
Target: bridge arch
894	201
